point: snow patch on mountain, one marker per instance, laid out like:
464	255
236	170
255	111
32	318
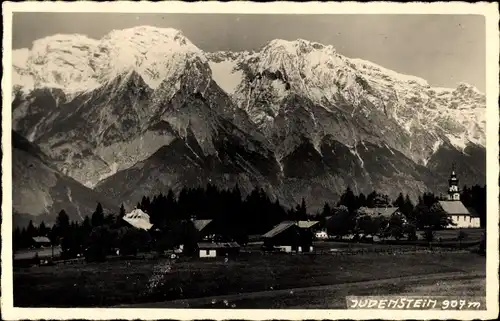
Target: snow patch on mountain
77	63
155	53
226	75
373	70
328	79
460	141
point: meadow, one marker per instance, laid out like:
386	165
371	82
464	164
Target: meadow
144	282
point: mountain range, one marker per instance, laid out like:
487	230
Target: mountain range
144	110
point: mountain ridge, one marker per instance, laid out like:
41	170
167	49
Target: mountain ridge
40	191
265	111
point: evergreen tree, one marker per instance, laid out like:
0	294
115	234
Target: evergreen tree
42	229
399	202
407	208
327	211
98	216
342	221
301	211
348	199
31	230
361	201
17	241
122	212
62	225
370	199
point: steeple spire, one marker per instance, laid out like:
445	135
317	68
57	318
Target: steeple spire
453	191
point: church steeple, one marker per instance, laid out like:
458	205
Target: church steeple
453	190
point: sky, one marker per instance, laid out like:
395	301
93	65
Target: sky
443	49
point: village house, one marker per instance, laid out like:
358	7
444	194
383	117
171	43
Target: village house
460	216
40	242
215	249
385	212
321	232
291	236
138	219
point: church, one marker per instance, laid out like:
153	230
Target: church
455	209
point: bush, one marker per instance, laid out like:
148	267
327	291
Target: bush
100	241
461	235
132	240
429	235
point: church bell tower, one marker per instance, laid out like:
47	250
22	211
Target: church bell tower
453	191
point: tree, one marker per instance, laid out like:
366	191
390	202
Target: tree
399	202
42	229
429	235
132	240
439	218
122	213
348	199
98	216
367	225
182	232
31	230
342	222
110	220
411	231
396	226
327	211
407	209
301	211
432	217
17	240
100	241
62	225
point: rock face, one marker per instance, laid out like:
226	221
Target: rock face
143	110
40	191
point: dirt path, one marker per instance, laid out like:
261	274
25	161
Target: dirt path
310	292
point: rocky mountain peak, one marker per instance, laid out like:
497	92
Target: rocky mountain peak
297	112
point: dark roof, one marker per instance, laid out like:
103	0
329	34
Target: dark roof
225	245
41	239
201	224
378	211
472	212
454	208
281	227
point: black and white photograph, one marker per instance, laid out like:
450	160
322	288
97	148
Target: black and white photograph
234	161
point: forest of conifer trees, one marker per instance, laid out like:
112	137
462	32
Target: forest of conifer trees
238	216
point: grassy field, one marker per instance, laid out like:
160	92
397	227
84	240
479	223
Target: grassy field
42	253
333	296
142	281
472	234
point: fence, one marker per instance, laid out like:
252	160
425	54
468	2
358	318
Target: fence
389	251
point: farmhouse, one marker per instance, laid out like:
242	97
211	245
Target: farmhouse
138	219
321	235
40	241
385	212
290	236
455	209
210	249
